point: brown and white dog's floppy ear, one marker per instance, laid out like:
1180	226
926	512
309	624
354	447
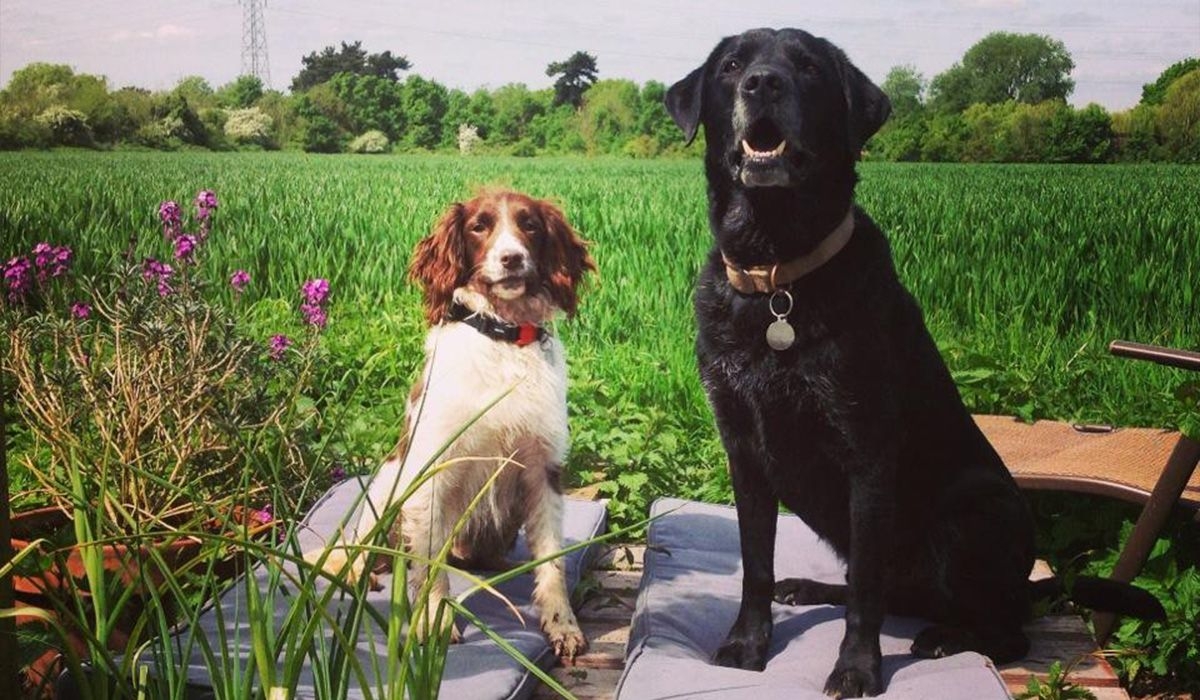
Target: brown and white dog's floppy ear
867	107
565	259
683	102
439	263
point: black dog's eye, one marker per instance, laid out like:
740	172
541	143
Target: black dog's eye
731	65
807	67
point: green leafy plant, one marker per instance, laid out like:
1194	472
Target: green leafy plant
1055	687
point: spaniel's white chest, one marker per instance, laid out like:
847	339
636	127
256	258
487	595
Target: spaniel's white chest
466	372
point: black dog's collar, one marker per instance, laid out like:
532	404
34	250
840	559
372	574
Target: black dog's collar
519	334
765	279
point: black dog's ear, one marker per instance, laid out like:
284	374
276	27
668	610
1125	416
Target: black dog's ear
683	102
867	107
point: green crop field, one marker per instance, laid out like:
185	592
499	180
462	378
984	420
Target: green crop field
1025	273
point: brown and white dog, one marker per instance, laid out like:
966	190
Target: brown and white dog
493	272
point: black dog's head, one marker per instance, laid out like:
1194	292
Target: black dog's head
778	108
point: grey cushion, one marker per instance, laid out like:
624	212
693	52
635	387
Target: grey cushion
689	597
475	668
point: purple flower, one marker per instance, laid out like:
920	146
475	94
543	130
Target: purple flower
314	315
159	273
279	345
172	219
17	278
206	200
51	261
185	245
239	280
315	291
264	516
80	309
337	473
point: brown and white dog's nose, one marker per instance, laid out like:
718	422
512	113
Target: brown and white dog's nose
763	83
512	260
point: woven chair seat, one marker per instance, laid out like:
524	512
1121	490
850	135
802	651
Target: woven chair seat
1119	462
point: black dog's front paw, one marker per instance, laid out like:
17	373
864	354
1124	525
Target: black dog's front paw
854	681
803	591
746	653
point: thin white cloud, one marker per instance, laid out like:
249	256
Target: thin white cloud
166	31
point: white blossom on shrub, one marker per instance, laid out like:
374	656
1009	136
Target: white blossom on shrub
468	138
373	141
250	125
69	127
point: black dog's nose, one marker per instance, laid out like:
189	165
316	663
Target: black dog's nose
763	82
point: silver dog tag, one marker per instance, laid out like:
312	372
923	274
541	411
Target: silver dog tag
780	335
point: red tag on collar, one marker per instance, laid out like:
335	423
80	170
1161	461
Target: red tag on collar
526	334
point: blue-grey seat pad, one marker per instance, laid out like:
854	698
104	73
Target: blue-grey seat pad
689	597
476	667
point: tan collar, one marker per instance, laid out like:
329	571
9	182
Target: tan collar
769	278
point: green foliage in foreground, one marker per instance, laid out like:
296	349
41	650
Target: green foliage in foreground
1025	273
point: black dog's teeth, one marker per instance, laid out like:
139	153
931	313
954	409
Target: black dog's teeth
763	155
763	140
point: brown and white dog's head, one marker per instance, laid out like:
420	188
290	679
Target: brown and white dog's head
503	253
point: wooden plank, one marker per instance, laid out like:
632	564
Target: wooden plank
622	557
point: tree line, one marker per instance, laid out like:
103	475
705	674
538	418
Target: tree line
1005	101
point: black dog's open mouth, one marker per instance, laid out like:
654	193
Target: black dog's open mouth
763	142
764	159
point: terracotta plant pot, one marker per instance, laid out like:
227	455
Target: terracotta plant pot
63	577
122	560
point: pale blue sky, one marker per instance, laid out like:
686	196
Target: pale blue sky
1117	46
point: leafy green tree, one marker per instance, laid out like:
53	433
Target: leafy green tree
900	137
1135	134
37	87
515	109
943	140
361	103
179	120
325	120
905	88
282	111
130	108
609	115
321	135
556	129
196	91
1003	66
1179	118
575	76
1025	133
424	105
1154	93
652	118
1079	136
351	58
240	93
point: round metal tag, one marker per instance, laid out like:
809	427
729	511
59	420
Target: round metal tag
780	335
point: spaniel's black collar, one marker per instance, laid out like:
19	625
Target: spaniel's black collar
521	335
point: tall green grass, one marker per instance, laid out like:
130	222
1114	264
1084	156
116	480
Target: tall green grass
1025	273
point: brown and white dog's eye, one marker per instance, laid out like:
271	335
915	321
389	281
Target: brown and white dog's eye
527	224
480	226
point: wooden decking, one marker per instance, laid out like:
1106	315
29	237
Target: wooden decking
611	593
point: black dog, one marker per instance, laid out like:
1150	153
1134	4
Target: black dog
828	391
